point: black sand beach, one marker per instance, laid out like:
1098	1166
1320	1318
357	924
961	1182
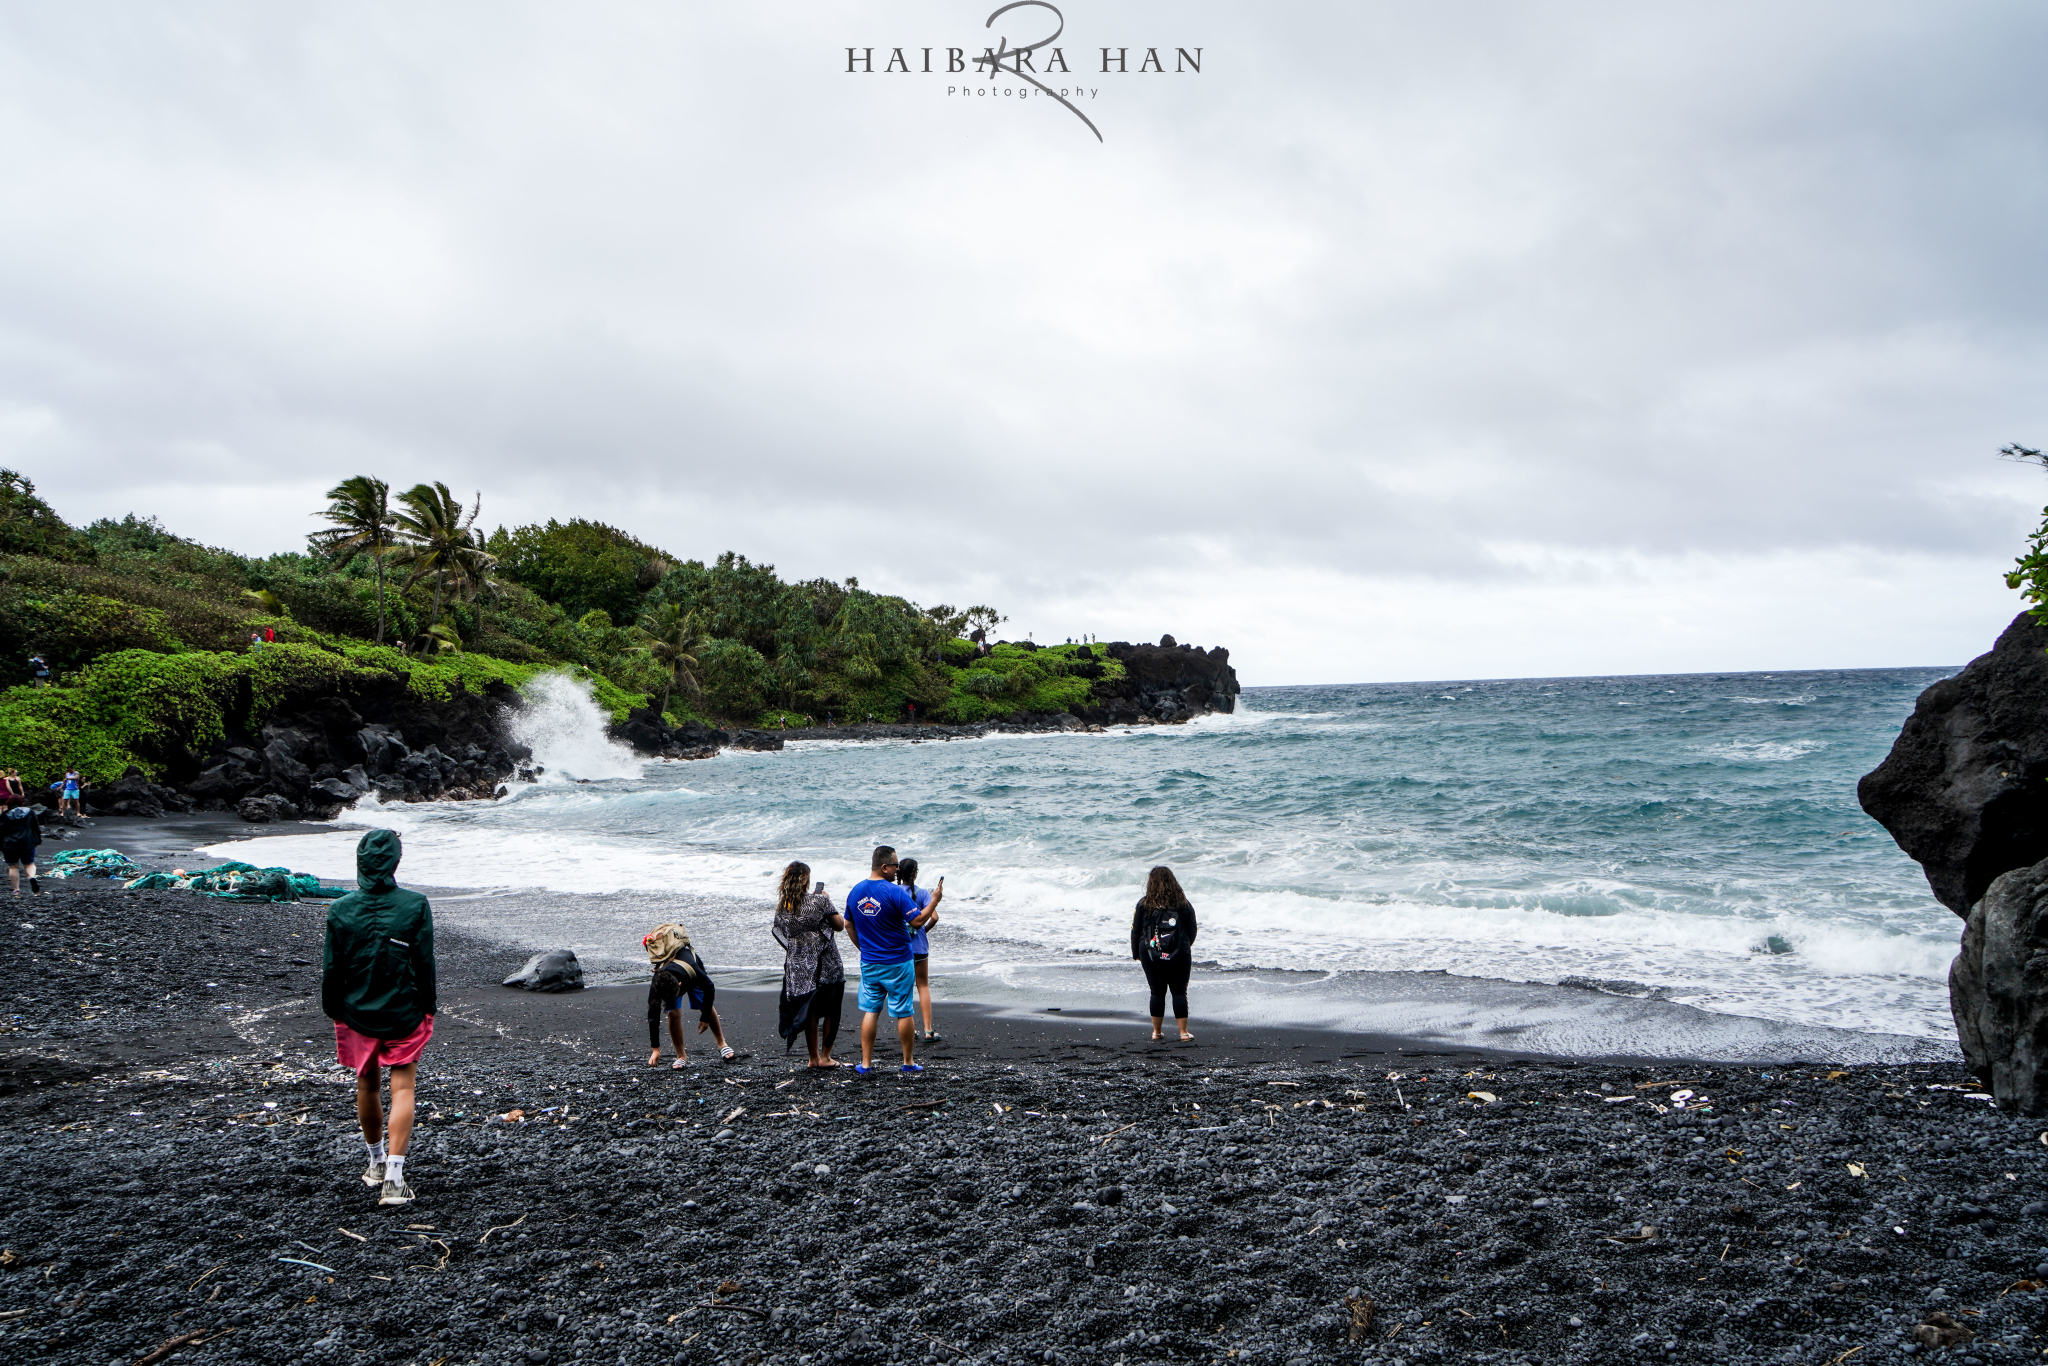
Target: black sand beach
180	1161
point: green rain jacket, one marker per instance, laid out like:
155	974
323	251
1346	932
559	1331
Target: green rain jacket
378	974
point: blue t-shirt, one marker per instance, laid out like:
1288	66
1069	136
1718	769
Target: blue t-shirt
918	943
881	913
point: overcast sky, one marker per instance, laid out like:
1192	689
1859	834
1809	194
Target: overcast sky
1401	341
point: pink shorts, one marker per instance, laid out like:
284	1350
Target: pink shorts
360	1053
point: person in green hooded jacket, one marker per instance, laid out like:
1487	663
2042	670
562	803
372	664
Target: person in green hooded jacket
377	985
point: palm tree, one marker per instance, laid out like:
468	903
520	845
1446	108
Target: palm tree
669	636
360	509
438	540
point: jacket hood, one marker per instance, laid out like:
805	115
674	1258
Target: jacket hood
377	860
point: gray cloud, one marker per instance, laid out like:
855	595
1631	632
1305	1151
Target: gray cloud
1387	300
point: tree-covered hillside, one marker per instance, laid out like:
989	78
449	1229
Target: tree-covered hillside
146	632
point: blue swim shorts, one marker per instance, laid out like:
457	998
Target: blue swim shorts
891	981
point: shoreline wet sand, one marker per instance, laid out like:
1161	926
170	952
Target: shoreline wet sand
180	1159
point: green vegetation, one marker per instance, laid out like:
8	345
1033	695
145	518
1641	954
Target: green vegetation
2029	573
150	634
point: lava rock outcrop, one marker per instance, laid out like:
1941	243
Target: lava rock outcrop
1167	682
1965	788
312	758
1998	989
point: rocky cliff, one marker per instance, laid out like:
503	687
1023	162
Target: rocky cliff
1166	682
312	756
1965	792
1965	788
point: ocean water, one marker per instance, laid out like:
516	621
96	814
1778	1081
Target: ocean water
1691	839
1686	838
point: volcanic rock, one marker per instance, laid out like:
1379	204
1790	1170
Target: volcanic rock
554	970
1965	787
1998	989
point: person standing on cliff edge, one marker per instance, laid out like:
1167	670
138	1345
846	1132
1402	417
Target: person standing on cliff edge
377	985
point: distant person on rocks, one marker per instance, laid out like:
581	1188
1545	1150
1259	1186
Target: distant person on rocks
377	985
68	789
679	975
16	791
813	976
20	833
920	946
1163	942
38	671
880	918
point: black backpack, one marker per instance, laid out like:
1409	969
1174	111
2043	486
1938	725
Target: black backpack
1166	938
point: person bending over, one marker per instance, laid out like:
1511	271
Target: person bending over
880	918
377	985
1163	942
679	975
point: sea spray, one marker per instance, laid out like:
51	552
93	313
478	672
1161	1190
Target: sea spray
564	727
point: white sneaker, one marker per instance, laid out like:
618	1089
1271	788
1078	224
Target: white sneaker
373	1175
395	1193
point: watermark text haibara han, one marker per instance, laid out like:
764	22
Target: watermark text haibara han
1025	62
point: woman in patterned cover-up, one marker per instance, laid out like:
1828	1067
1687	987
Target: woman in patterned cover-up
813	978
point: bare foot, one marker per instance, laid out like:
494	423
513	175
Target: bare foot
654	1058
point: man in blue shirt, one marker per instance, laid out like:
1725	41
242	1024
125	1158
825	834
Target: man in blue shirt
882	919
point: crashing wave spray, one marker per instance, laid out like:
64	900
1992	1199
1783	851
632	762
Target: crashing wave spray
564	727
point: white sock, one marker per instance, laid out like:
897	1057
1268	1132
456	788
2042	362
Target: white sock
375	1150
394	1167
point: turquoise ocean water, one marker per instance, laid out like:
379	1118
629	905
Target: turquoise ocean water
1694	838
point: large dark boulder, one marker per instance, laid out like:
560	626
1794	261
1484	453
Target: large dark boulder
131	794
265	809
1965	788
1998	989
555	970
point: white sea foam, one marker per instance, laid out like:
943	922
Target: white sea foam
564	727
1761	751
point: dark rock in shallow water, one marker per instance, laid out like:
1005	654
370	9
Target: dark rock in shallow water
1998	989
1965	787
555	970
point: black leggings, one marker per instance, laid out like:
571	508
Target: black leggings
1173	973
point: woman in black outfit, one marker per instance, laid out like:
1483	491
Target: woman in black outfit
1163	942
